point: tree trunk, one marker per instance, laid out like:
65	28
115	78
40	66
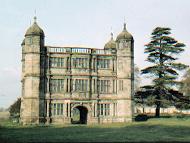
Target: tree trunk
143	109
158	102
157	115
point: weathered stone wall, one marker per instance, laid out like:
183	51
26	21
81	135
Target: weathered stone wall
32	105
37	73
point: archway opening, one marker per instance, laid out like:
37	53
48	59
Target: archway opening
79	115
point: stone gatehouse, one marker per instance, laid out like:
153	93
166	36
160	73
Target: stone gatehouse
58	81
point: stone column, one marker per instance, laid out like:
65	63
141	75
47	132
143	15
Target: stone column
68	84
69	110
104	110
47	101
89	87
73	84
112	109
48	72
114	64
92	85
115	109
48	91
95	109
47	111
95	88
65	84
48	84
111	64
96	64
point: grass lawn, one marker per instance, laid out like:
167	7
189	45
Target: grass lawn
153	130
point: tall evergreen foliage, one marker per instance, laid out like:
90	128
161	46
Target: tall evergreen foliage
162	53
185	90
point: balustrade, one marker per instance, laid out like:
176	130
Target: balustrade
78	50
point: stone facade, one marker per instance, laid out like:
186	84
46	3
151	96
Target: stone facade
58	80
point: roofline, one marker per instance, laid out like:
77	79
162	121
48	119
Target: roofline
72	47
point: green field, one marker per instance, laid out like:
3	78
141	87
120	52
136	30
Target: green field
4	115
153	130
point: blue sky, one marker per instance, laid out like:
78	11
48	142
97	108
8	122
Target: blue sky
87	23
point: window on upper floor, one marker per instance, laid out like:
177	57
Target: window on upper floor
56	85
80	62
103	63
56	62
104	86
81	85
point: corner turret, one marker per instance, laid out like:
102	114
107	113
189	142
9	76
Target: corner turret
33	75
124	34
111	44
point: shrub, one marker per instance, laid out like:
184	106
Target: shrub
14	111
141	117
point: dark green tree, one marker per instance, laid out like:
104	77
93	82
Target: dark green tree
14	109
162	53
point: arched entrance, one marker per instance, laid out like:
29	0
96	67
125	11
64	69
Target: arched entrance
79	115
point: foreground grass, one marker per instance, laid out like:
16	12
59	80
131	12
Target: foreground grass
153	130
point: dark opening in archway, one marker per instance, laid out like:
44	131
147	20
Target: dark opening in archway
79	115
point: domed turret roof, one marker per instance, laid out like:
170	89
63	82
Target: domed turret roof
34	29
111	44
124	34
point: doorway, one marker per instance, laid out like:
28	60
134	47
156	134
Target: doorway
79	115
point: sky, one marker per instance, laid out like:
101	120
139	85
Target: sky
84	23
